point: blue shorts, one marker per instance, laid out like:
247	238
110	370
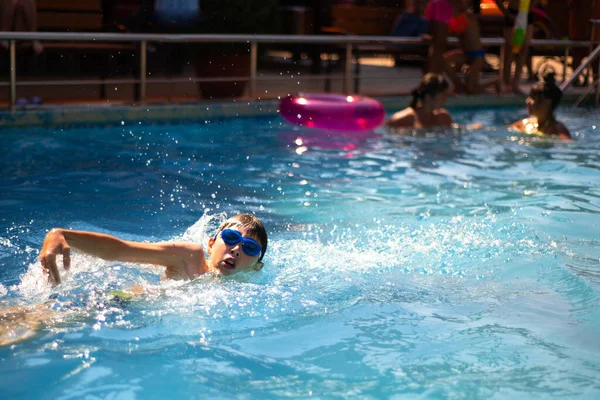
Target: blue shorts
472	55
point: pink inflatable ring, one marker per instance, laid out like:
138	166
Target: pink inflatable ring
332	111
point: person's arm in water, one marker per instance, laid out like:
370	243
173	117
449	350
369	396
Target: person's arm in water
402	119
529	125
182	260
519	125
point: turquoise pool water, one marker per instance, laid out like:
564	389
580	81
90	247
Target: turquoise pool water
457	265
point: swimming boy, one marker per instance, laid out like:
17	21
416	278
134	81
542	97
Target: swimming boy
239	245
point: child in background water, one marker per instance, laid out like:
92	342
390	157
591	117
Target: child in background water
426	106
543	99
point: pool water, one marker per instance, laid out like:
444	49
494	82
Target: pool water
441	265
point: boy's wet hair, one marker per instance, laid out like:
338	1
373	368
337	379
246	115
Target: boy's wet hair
547	88
252	225
431	84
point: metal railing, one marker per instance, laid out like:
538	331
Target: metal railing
350	43
586	66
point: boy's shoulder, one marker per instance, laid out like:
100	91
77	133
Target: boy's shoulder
182	249
194	247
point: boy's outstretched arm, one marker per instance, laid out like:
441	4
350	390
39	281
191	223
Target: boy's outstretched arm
182	260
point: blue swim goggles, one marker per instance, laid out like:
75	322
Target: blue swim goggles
249	246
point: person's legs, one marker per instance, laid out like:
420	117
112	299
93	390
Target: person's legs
18	323
26	20
20	23
520	60
529	66
437	47
7	15
454	61
508	58
472	77
473	83
579	29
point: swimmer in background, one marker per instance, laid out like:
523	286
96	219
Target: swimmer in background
426	106
471	54
543	99
239	245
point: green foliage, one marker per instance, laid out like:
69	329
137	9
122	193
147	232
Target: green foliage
240	17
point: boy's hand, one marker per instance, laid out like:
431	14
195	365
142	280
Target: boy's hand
55	244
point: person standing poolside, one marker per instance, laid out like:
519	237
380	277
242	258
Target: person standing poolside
472	55
543	99
439	13
20	16
511	80
239	245
426	106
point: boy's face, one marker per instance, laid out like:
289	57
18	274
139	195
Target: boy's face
230	259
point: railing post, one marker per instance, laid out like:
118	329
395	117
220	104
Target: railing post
348	69
597	84
253	66
143	70
502	66
591	69
13	74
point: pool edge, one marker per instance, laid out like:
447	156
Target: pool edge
57	116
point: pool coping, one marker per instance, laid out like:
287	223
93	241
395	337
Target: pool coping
63	116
